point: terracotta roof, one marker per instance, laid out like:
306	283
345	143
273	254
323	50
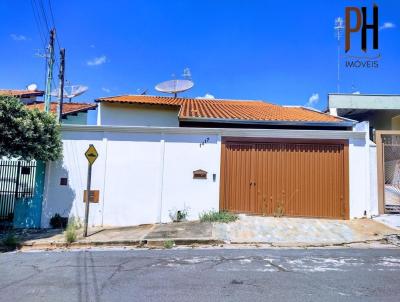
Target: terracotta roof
242	110
68	108
21	93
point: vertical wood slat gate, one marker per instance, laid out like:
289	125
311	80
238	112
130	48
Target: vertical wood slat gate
285	177
17	180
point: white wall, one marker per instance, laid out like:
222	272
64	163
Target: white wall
143	173
134	186
137	115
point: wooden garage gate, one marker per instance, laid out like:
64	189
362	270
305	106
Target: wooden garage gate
305	178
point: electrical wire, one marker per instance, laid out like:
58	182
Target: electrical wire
53	23
38	24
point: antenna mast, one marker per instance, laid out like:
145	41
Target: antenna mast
339	34
50	64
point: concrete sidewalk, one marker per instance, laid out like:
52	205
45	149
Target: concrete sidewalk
391	220
278	232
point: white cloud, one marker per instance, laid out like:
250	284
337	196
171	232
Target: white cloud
107	90
313	99
16	37
97	61
387	25
206	96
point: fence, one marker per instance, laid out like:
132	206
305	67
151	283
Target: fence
388	143
17	180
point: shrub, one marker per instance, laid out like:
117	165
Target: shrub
168	244
216	216
58	222
28	134
11	241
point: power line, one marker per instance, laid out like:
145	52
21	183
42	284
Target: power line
44	14
54	25
38	23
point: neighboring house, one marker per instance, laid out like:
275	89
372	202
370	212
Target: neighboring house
382	112
12	176
158	155
73	113
26	96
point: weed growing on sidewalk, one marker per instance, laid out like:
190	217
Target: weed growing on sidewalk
216	216
70	232
179	215
168	244
11	241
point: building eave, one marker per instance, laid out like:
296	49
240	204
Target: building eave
344	123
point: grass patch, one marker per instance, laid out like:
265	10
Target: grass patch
216	216
11	241
169	244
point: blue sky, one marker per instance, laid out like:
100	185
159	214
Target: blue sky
278	51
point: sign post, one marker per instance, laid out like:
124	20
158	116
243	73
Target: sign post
91	155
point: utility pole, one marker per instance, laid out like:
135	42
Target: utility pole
61	91
50	63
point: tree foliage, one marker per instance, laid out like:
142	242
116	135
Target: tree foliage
28	134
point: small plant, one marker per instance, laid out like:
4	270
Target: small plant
58	222
279	211
216	216
169	244
180	215
11	241
70	232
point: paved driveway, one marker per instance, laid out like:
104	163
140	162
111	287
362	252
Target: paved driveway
301	231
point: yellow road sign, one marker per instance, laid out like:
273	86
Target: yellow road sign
91	154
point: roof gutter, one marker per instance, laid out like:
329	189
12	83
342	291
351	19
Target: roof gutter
272	123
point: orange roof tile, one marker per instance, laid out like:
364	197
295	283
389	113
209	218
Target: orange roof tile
68	108
228	109
21	93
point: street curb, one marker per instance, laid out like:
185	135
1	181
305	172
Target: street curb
158	242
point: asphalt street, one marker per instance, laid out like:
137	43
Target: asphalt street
202	275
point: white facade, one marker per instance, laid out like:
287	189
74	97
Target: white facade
143	173
117	114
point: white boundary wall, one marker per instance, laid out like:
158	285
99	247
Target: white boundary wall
143	173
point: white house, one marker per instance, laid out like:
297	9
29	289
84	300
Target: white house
158	155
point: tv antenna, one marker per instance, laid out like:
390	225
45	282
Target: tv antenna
175	86
339	34
70	91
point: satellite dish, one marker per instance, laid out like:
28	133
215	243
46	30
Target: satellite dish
70	91
32	87
174	86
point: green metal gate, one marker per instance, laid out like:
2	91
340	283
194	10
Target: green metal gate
17	180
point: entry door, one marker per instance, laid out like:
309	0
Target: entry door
239	161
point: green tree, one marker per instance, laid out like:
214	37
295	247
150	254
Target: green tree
28	134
